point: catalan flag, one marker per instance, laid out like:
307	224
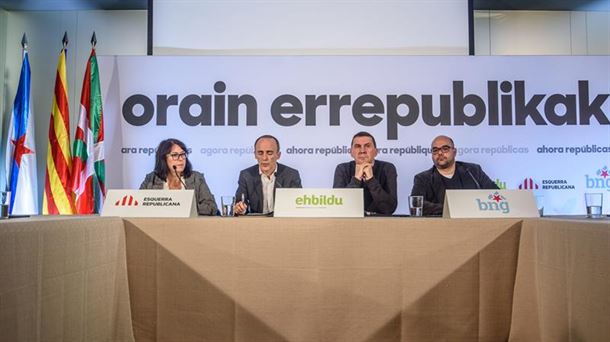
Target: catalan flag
57	198
88	167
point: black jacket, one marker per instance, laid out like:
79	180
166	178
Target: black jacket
251	186
430	184
379	191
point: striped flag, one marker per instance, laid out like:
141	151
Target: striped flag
20	155
88	169
57	197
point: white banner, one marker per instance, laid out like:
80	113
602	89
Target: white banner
531	122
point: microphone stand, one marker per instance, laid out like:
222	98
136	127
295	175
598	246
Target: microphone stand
474	179
179	178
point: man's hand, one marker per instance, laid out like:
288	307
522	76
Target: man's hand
240	208
368	171
364	171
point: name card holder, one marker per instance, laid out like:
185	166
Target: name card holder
489	204
150	203
319	203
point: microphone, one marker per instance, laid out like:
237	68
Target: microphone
474	179
179	178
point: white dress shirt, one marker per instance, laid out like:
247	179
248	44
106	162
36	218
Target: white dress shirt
268	187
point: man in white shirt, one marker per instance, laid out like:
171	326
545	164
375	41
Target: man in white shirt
256	185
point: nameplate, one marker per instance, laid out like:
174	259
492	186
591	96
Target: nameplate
489	204
150	203
318	203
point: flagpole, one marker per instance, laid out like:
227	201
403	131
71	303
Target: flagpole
64	41
24	45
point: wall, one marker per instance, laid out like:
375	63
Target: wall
542	33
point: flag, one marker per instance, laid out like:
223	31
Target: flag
20	155
88	170
57	198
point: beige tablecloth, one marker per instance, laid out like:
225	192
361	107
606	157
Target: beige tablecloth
63	279
264	279
562	290
374	279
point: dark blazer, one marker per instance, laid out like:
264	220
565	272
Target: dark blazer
379	191
430	184
251	186
206	205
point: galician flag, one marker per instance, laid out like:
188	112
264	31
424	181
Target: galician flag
57	198
20	155
88	170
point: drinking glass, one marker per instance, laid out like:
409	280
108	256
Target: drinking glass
416	205
593	201
226	204
5	198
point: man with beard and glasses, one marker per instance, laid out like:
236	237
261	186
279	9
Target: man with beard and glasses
447	173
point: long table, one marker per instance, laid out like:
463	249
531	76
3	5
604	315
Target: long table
274	279
373	279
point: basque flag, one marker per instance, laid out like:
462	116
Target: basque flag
88	166
20	155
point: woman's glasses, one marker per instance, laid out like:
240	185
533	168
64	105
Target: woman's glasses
177	156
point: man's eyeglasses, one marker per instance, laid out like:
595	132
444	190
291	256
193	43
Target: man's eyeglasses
444	149
177	156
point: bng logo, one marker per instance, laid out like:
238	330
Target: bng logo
601	180
494	202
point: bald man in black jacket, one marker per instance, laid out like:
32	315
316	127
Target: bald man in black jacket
447	173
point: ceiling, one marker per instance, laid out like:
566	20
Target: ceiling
72	5
543	5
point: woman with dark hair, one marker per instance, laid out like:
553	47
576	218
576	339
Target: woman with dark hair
173	170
